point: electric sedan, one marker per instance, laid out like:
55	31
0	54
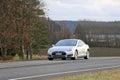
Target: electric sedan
69	48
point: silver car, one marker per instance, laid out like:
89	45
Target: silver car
69	48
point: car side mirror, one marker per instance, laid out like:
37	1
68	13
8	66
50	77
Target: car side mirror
53	45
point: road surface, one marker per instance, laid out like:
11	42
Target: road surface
58	68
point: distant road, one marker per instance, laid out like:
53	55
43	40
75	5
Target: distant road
67	67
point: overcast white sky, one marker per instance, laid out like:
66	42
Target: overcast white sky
99	10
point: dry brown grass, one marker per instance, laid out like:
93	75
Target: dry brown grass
100	75
12	59
39	57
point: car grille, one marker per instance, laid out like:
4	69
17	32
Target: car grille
59	52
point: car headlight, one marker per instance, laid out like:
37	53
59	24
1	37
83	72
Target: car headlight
49	51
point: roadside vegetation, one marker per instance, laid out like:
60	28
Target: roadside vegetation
104	52
23	28
99	75
94	52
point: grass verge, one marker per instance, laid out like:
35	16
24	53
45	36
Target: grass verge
40	57
104	52
100	75
94	52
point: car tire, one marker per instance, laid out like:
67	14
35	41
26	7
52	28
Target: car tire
50	59
75	56
87	55
63	58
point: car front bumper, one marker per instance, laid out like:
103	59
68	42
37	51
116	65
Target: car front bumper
60	54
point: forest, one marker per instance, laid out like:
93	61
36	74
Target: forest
23	28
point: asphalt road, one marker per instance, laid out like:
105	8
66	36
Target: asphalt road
67	67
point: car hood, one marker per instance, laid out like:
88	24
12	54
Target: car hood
61	48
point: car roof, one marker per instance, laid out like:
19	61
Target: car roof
70	39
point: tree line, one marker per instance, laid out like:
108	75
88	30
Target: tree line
99	34
23	28
94	33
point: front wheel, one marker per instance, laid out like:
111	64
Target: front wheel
63	58
75	56
87	55
50	59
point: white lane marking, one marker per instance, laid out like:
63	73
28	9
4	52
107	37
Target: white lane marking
51	74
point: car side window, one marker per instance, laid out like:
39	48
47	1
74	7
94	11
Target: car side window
80	43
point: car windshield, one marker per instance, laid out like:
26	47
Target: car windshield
66	43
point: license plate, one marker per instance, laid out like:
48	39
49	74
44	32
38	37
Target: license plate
58	53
